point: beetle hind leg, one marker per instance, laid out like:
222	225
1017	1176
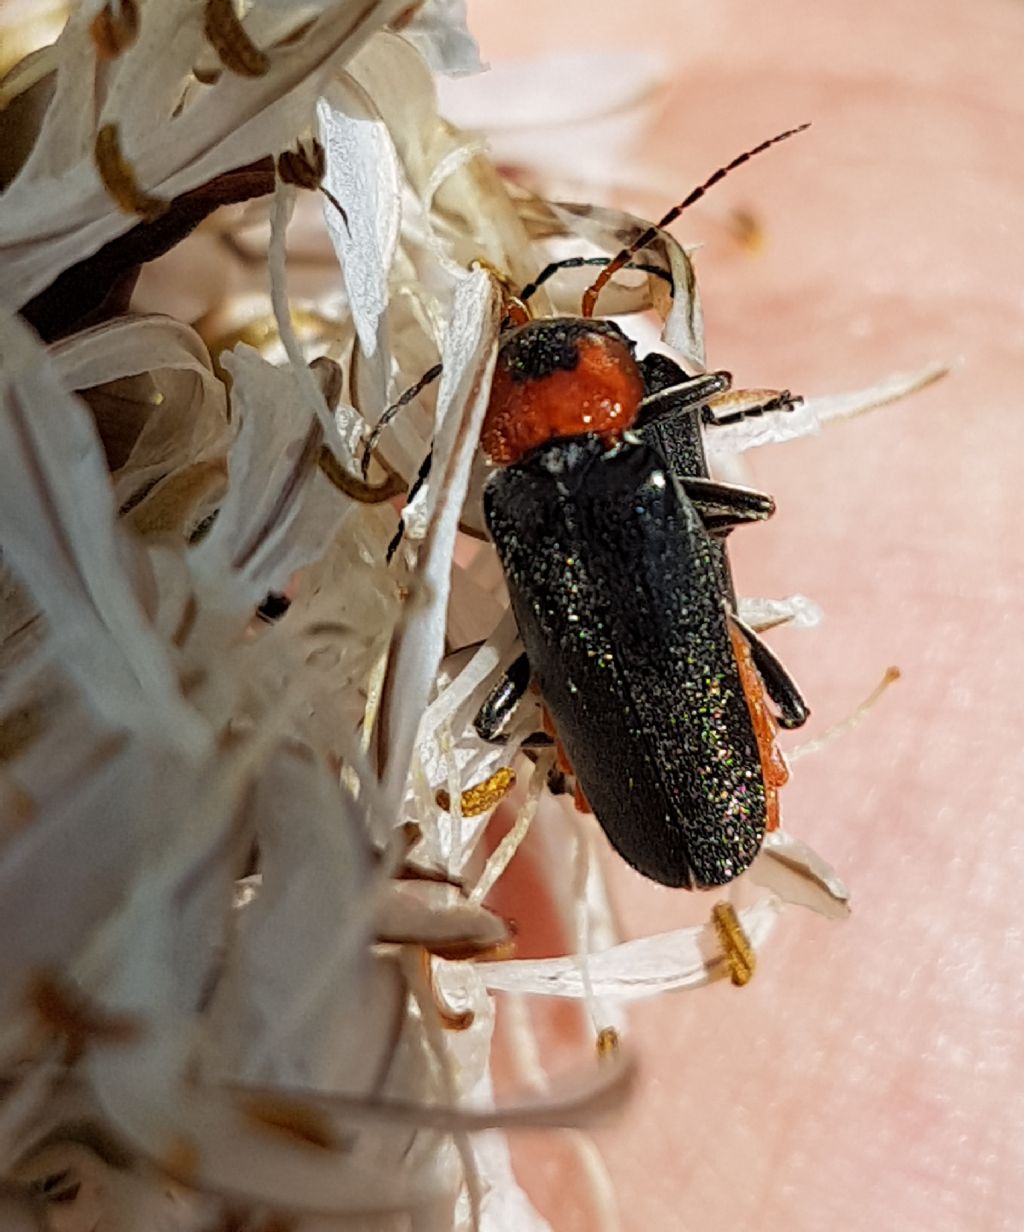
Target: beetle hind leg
500	704
565	779
779	684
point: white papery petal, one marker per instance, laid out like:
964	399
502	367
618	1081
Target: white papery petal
127	346
580	116
146	82
468	356
798	875
797	610
215	1138
426	912
46	226
553	90
362	173
220	1145
685	958
67	130
506	1207
474	215
396	77
439	32
279	513
66	873
278	1017
182	427
59	535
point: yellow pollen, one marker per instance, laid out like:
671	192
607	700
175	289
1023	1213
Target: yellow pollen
736	947
483	796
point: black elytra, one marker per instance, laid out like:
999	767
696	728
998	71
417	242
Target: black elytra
623	599
673	427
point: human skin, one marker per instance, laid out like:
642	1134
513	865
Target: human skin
872	1076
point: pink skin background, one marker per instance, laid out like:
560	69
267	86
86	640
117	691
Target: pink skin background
872	1076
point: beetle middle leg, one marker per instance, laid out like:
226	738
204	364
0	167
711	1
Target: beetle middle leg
723	506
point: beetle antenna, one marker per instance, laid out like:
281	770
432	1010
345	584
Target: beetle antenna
618	261
371	444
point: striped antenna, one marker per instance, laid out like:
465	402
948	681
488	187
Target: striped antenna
617	262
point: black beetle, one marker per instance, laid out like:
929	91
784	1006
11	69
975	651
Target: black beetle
611	543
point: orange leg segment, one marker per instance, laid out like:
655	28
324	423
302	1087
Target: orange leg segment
774	770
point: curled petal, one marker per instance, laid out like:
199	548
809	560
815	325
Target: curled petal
798	875
173	416
685	958
60	537
432	915
797	610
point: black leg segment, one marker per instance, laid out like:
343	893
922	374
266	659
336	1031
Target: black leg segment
724	505
780	685
502	700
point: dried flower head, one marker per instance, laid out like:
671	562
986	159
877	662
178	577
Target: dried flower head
249	972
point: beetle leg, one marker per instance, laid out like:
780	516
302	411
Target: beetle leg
778	683
682	398
562	778
537	740
736	405
724	505
558	784
499	704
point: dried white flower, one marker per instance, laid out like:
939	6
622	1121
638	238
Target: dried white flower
235	987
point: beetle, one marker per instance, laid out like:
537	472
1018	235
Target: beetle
610	531
624	602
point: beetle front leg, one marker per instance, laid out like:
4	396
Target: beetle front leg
733	406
